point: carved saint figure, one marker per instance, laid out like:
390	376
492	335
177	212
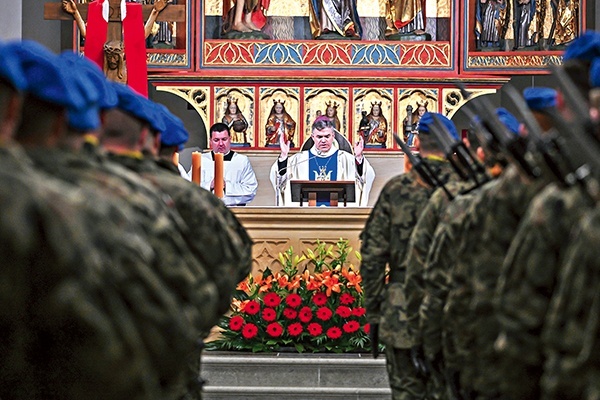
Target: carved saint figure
405	16
279	123
525	27
378	125
411	122
490	22
334	16
565	22
235	120
331	113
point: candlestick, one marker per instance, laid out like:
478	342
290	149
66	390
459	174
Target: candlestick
196	157
219	183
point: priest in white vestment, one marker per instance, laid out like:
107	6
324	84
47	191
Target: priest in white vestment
324	161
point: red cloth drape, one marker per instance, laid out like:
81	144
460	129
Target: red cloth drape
96	31
135	49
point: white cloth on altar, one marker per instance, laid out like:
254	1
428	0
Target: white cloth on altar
298	169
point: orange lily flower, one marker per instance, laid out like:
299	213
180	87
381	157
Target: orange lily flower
332	283
238	305
244	285
312	283
353	279
264	284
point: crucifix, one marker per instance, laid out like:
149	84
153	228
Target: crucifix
114	26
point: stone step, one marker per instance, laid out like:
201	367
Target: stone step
240	376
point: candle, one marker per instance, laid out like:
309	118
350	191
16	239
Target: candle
219	183
176	159
196	157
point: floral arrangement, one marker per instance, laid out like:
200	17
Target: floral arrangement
319	311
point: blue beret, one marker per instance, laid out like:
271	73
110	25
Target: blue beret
426	124
595	73
10	67
586	47
138	106
47	77
540	98
508	120
108	96
175	133
86	118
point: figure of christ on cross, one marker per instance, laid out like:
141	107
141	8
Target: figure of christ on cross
115	32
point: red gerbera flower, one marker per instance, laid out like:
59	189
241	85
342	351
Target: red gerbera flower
305	314
269	314
290	313
236	323
351	326
293	300
324	313
320	299
314	329
249	331
358	311
252	307
343	311
274	329
272	299
346	298
367	328
295	329
334	332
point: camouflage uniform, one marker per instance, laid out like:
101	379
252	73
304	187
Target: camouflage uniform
182	300
527	281
457	334
437	270
416	254
570	333
214	234
65	278
484	246
384	241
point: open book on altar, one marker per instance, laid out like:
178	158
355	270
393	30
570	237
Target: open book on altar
323	192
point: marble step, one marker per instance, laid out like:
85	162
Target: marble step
240	376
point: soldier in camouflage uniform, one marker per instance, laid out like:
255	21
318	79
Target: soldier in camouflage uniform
530	270
483	249
214	235
58	338
458	320
384	241
437	267
418	247
171	304
570	330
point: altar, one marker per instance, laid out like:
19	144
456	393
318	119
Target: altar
275	229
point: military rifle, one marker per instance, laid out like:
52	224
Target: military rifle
515	146
544	143
424	171
577	136
374	336
470	167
